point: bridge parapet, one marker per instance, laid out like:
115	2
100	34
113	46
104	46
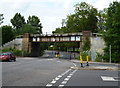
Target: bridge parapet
69	37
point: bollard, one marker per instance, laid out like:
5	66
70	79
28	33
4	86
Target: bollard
81	61
87	61
56	55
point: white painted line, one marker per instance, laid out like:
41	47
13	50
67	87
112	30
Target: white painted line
66	79
48	85
105	78
57	78
61	85
74	64
71	67
64	82
74	71
65	72
69	76
53	81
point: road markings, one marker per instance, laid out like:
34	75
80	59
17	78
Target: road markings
65	72
106	78
61	85
60	76
57	78
67	78
64	82
53	81
48	85
74	64
71	74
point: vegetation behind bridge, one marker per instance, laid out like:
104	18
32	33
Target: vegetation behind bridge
85	17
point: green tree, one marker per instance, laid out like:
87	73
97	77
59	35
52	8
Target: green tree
86	15
8	34
35	22
27	28
18	21
102	15
1	18
84	18
112	35
86	44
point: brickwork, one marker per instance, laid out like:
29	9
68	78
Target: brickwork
25	42
86	34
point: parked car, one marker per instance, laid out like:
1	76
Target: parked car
7	56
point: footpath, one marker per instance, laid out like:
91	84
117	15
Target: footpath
95	66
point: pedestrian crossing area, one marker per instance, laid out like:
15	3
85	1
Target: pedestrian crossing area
107	78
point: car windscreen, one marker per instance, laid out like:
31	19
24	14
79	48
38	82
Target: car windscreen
5	54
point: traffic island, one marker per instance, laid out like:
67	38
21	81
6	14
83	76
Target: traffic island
95	68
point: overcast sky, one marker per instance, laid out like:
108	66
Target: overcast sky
50	12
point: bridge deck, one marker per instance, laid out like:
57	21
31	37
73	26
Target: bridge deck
70	37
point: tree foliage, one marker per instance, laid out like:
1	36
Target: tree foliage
18	21
112	35
86	44
35	22
102	15
1	18
8	34
27	28
84	18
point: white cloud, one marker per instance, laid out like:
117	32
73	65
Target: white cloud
100	4
50	12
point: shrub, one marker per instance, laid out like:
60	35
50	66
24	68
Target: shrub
84	56
98	57
98	60
17	52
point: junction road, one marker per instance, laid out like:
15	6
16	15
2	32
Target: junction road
49	72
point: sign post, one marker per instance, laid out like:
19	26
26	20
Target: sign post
110	53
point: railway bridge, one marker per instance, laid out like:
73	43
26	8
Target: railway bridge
31	42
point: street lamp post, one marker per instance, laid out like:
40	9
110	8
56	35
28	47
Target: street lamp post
110	53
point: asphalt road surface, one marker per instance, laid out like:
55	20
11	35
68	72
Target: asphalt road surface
49	72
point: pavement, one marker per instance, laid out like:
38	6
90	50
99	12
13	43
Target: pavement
95	65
